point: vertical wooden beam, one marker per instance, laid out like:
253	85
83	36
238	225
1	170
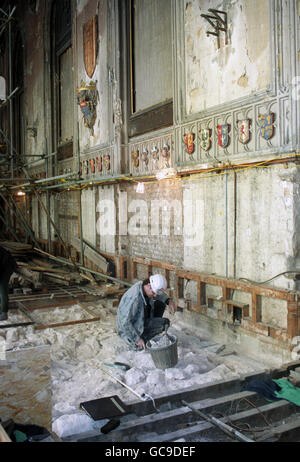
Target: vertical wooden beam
298	314
292	318
256	307
167	276
226	294
177	288
121	273
134	269
201	292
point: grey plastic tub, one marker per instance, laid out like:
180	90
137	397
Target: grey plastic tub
164	357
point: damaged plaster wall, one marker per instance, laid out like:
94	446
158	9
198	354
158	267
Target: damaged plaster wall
241	226
106	219
265	224
152	223
34	123
240	68
88	210
205	224
67	220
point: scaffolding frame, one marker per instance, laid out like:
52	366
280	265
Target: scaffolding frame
6	20
28	184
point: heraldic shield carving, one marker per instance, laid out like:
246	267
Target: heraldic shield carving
87	96
266	122
90	46
223	137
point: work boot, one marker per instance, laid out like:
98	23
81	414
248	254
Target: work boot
3	316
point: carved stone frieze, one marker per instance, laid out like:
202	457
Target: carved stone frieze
97	164
262	121
149	156
234	134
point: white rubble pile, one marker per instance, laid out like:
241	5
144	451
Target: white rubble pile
160	342
78	354
72	424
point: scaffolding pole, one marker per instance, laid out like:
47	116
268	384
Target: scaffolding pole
24	221
11	114
8	20
80	227
8	98
84	268
2	217
21	218
32	182
52	223
54	226
48	200
77	148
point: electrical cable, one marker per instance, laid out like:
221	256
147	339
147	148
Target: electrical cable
268	280
241	427
152	399
218	171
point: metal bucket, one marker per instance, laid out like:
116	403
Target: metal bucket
164	356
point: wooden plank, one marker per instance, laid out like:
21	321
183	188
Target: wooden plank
292	319
199	428
152	421
216	299
203	391
221	425
50	305
45	296
67	323
92	255
282	294
160	116
42	268
56	305
201	292
17	324
155	263
27	315
85	308
256	308
188	275
235	303
40	262
281	430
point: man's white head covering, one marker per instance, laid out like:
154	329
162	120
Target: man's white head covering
158	282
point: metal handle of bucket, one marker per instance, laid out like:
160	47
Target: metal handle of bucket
166	332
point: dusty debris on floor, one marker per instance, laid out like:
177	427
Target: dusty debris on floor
89	361
79	353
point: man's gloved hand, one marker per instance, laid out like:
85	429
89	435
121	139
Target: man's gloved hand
141	344
172	307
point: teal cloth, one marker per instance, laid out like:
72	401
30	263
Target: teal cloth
20	436
288	391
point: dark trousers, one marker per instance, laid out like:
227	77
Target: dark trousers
155	324
4	292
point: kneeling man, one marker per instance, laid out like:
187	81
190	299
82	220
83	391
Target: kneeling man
141	309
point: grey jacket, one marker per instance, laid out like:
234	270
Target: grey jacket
130	317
